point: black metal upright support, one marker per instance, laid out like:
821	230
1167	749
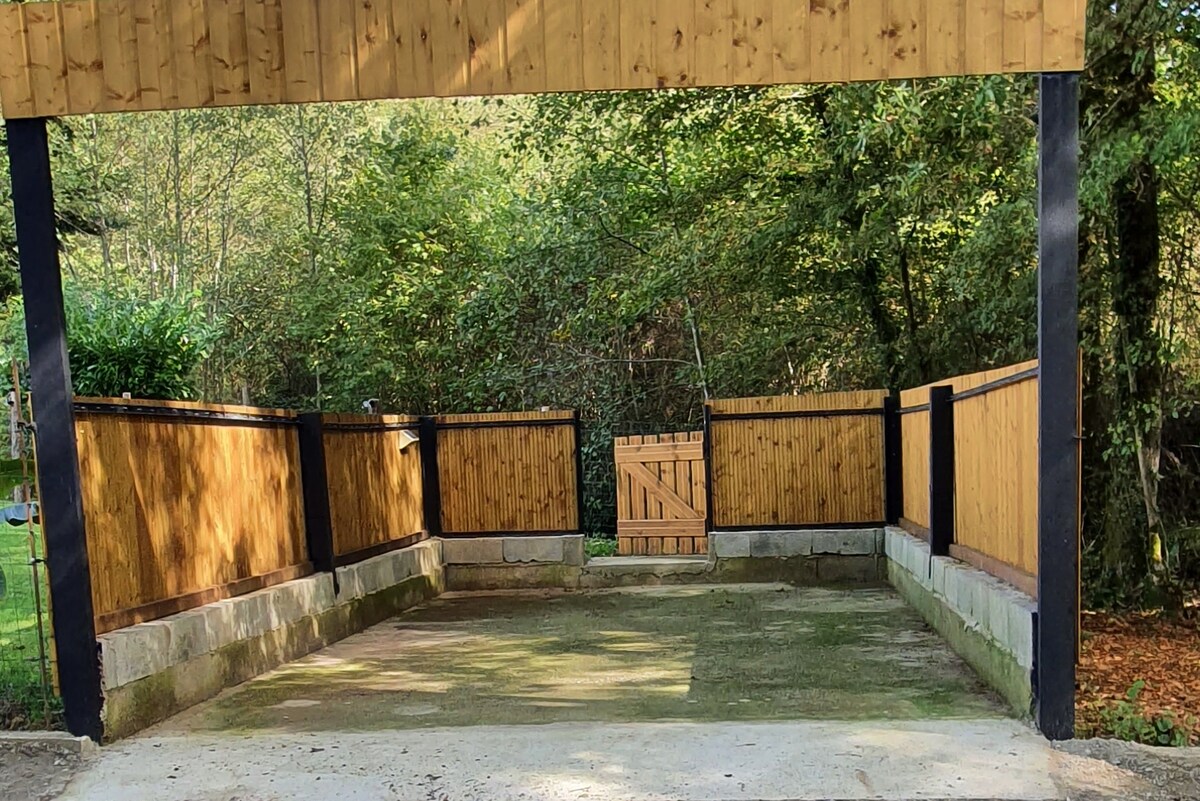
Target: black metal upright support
893	464
431	486
314	481
709	517
1058	381
941	470
53	410
579	496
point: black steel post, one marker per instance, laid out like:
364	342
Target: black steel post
941	470
893	461
1058	381
709	518
314	480
431	488
57	458
579	499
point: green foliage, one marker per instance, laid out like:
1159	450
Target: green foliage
630	254
600	546
1125	720
119	343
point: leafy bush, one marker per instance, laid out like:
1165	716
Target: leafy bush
1125	720
600	546
120	343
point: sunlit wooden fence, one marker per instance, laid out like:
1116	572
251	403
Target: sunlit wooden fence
373	479
800	460
983	508
508	473
186	503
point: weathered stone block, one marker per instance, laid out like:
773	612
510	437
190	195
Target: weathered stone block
534	549
473	551
729	544
133	653
998	617
1020	632
188	636
938	577
574	552
851	542
776	544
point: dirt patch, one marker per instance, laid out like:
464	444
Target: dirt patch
34	772
654	654
1121	650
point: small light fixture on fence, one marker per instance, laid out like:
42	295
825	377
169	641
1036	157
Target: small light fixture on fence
407	438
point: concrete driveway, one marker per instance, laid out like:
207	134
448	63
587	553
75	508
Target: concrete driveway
688	693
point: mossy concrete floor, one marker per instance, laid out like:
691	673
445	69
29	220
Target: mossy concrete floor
701	653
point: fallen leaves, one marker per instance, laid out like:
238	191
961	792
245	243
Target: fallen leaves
1120	649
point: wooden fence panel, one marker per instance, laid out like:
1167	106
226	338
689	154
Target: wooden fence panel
373	466
914	445
661	494
508	473
186	504
791	470
995	469
996	473
146	56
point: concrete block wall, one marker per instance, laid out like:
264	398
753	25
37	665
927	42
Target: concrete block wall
155	669
514	562
820	556
988	622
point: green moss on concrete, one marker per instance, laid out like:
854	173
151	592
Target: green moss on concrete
995	665
142	703
763	652
513	577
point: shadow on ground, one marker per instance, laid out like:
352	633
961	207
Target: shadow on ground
739	653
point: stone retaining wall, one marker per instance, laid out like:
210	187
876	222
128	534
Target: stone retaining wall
153	670
987	622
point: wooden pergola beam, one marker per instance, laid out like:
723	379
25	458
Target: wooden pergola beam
85	56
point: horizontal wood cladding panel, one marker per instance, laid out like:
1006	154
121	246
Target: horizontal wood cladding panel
513	477
798	470
84	56
179	509
375	491
661	452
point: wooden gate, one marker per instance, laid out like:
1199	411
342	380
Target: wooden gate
661	500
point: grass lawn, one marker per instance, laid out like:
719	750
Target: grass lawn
20	674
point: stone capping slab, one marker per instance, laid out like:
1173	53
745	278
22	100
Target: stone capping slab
866	541
145	649
541	549
986	604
